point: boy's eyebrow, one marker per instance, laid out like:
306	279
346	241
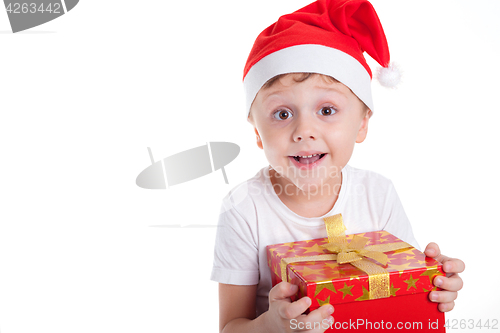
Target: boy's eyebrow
278	92
331	89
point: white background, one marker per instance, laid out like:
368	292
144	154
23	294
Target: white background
83	249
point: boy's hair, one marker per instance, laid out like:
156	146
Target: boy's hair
301	77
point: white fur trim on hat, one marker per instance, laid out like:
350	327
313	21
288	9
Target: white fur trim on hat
309	58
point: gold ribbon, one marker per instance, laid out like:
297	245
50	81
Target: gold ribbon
353	253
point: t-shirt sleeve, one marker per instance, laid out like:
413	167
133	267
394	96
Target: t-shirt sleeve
236	249
397	221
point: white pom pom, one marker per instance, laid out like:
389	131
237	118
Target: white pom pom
389	77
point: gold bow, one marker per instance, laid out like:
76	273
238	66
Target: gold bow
354	253
356	249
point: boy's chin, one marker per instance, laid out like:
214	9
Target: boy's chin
313	186
321	181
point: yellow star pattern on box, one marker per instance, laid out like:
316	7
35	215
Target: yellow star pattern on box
312	249
321	286
394	290
409	270
411	282
431	272
326	301
365	296
346	290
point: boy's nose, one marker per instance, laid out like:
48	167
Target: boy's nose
304	132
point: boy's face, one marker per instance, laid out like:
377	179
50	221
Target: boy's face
315	117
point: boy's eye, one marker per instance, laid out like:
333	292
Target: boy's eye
282	114
327	111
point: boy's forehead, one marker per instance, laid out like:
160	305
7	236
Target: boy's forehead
284	88
286	84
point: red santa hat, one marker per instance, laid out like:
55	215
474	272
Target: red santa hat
326	37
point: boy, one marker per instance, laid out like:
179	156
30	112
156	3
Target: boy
309	101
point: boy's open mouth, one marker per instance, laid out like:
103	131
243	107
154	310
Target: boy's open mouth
308	159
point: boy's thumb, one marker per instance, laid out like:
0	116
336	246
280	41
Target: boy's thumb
282	290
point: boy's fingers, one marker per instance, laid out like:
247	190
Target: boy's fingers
445	307
294	309
432	250
321	317
450	265
323	312
282	291
452	283
453	265
443	296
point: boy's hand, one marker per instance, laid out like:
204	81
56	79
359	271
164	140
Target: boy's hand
451	283
286	316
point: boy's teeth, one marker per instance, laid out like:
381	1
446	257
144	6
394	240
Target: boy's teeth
308	159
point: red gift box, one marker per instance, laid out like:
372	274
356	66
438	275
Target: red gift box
405	306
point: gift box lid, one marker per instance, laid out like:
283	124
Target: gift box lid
327	281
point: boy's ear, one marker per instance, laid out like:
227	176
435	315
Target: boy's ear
259	141
363	130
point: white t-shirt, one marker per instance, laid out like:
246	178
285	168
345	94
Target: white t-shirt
252	217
